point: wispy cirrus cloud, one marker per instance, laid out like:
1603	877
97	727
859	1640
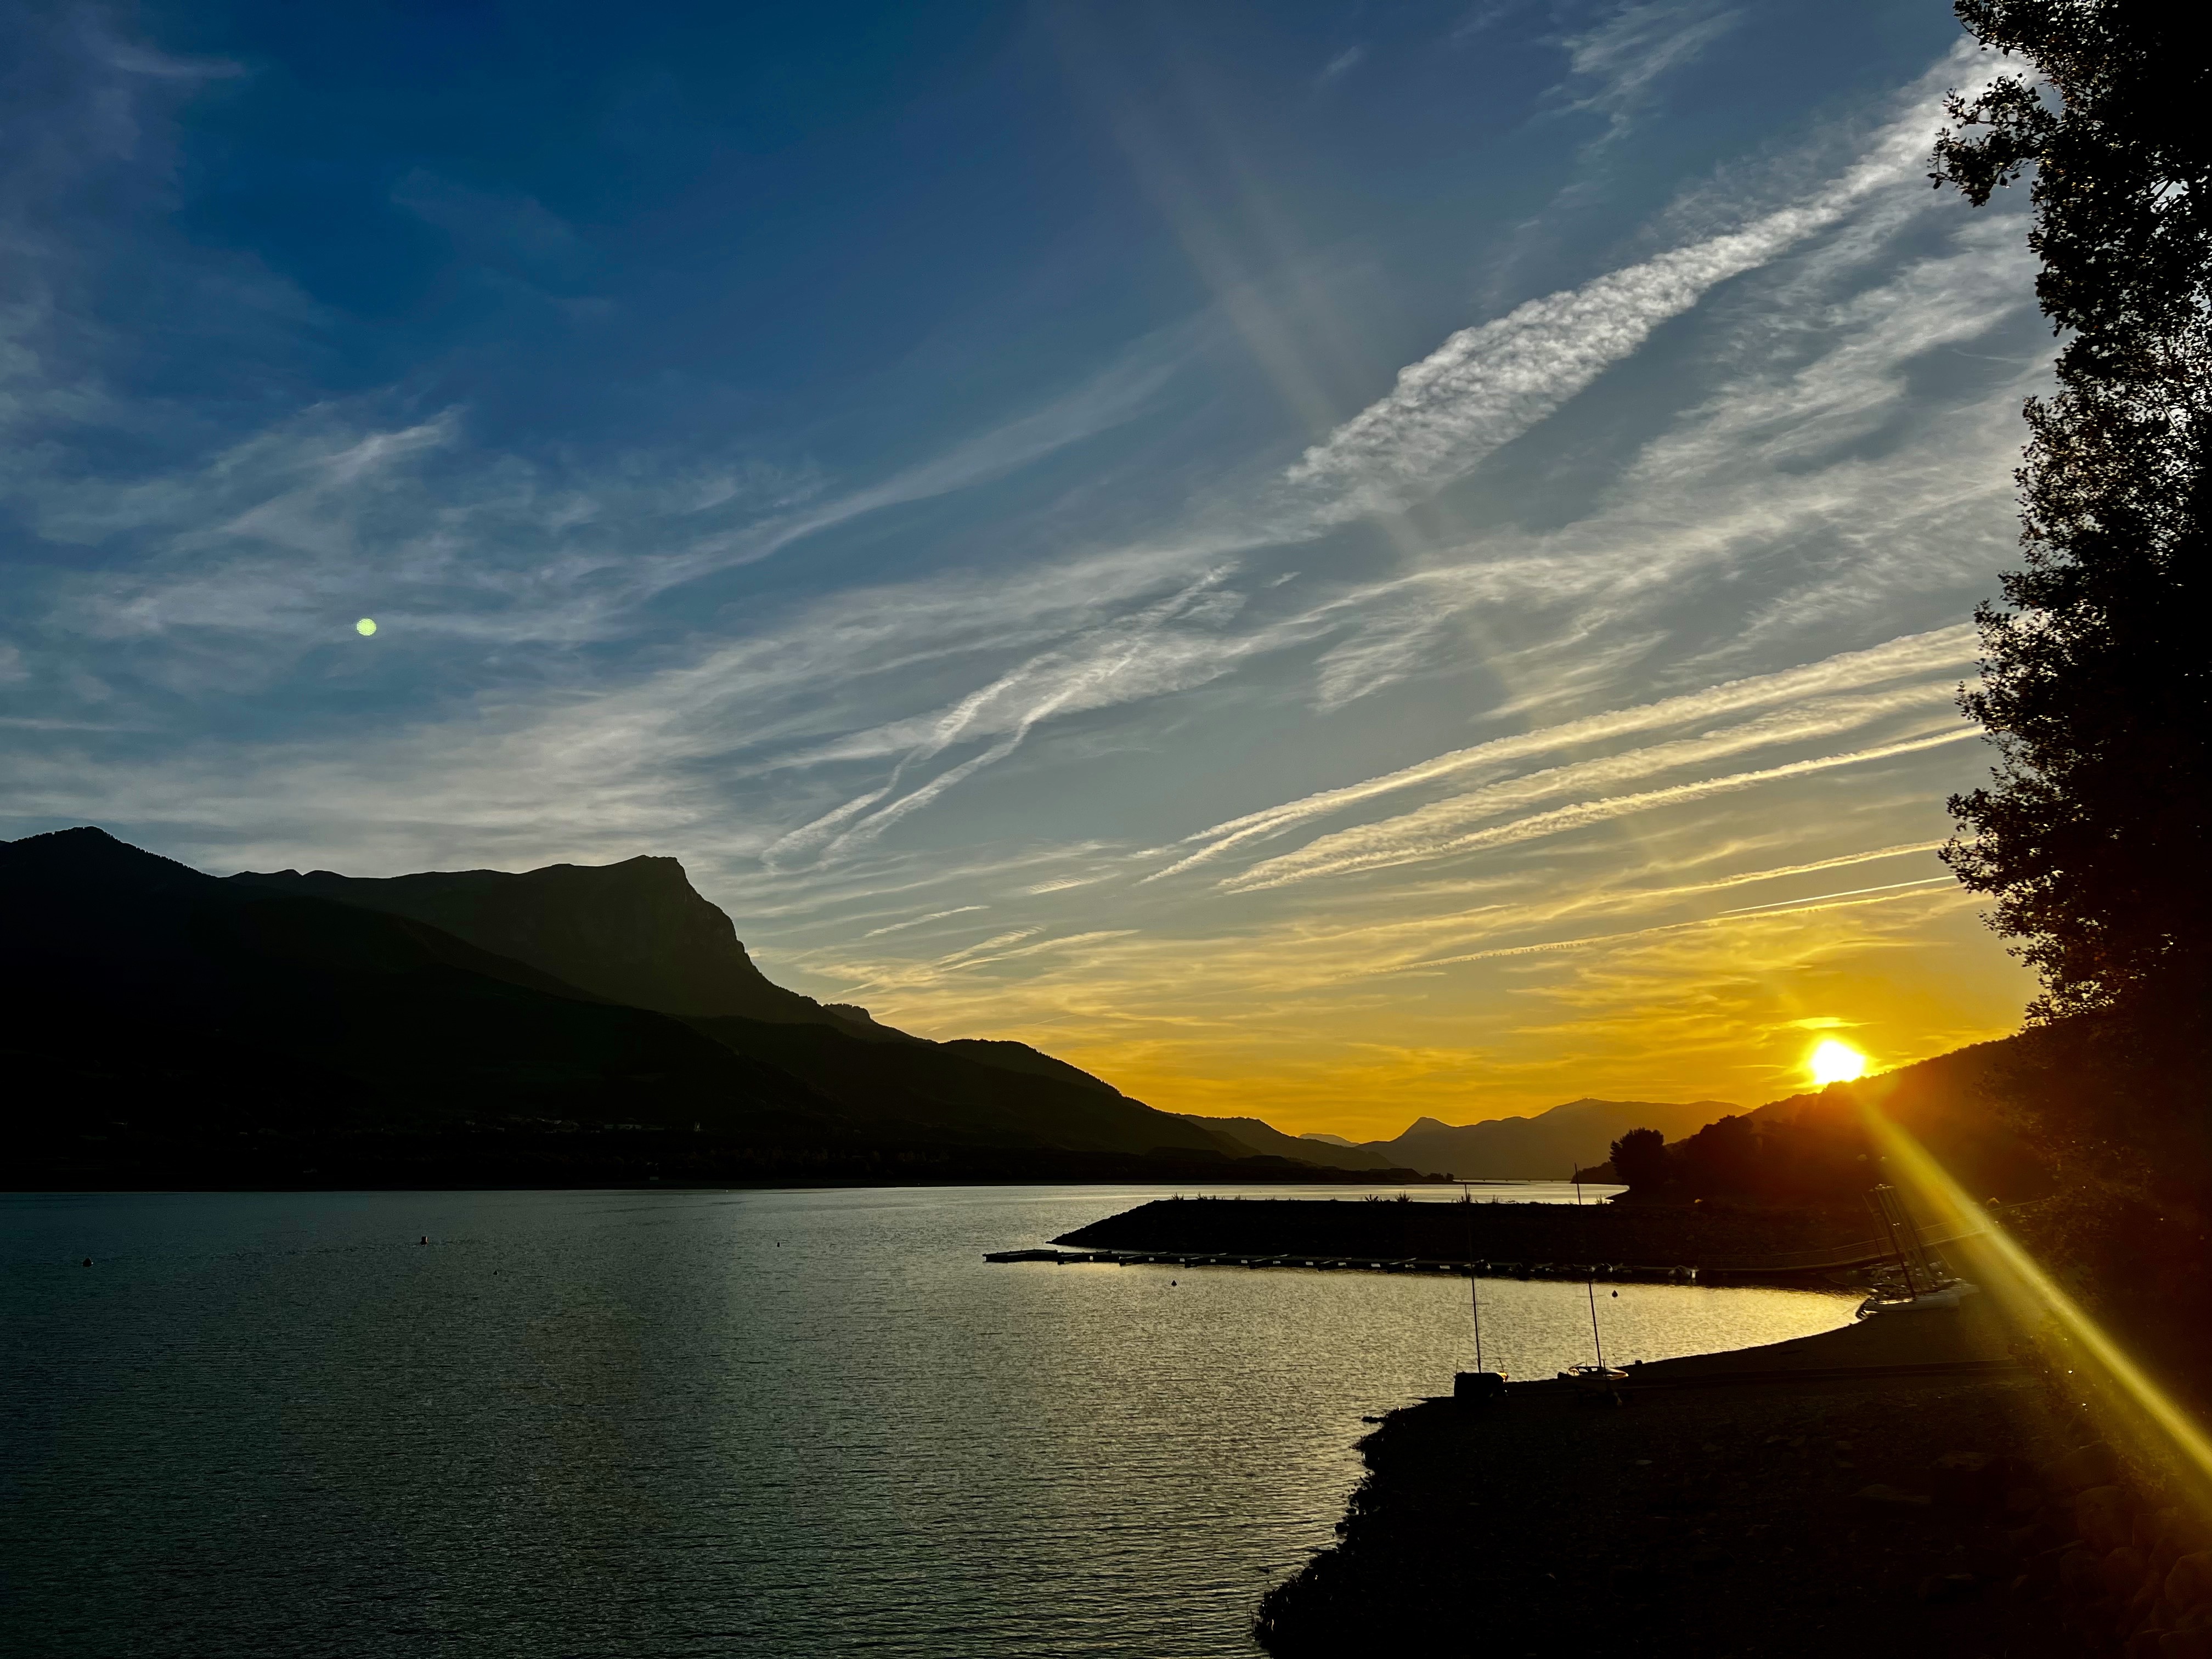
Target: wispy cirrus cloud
1816	698
1726	478
1488	383
1287	962
1618	62
279	533
1438	831
1340	66
923	921
1951	898
1169	646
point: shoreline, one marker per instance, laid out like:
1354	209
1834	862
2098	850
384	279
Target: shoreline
1904	1483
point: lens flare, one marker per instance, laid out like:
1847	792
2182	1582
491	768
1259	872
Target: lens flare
2046	1314
1835	1062
365	627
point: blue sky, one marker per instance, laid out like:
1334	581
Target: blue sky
1333	561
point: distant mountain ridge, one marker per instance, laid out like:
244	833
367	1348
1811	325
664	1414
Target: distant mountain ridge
1266	1138
1548	1147
1551	1146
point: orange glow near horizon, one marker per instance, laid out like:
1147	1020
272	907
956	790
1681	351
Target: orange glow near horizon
1349	1030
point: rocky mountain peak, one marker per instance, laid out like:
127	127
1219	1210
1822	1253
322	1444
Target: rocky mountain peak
636	932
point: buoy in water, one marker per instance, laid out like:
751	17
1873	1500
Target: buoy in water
425	1239
87	1261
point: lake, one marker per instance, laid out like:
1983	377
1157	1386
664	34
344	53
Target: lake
789	1422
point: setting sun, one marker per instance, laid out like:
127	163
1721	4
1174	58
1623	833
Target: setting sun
1835	1062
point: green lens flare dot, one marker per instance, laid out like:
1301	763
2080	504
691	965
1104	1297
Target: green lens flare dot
365	627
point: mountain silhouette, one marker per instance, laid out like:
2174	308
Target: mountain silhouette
141	986
1546	1147
155	1006
1549	1145
1263	1138
636	932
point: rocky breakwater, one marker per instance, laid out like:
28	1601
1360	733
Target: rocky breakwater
1532	1238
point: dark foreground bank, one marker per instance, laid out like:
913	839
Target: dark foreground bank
1899	1486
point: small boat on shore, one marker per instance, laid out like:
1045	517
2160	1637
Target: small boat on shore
1599	1379
1948	1294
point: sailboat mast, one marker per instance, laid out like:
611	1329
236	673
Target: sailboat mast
1473	1285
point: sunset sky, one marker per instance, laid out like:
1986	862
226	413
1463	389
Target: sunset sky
1334	561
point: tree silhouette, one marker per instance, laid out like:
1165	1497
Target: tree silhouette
2093	835
1639	1159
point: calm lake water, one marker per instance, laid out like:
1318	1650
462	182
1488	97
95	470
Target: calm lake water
762	1423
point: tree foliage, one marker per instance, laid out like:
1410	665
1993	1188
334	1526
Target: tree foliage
1818	1158
1639	1159
2093	836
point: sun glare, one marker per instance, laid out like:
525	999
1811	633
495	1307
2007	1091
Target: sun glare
365	627
1835	1062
